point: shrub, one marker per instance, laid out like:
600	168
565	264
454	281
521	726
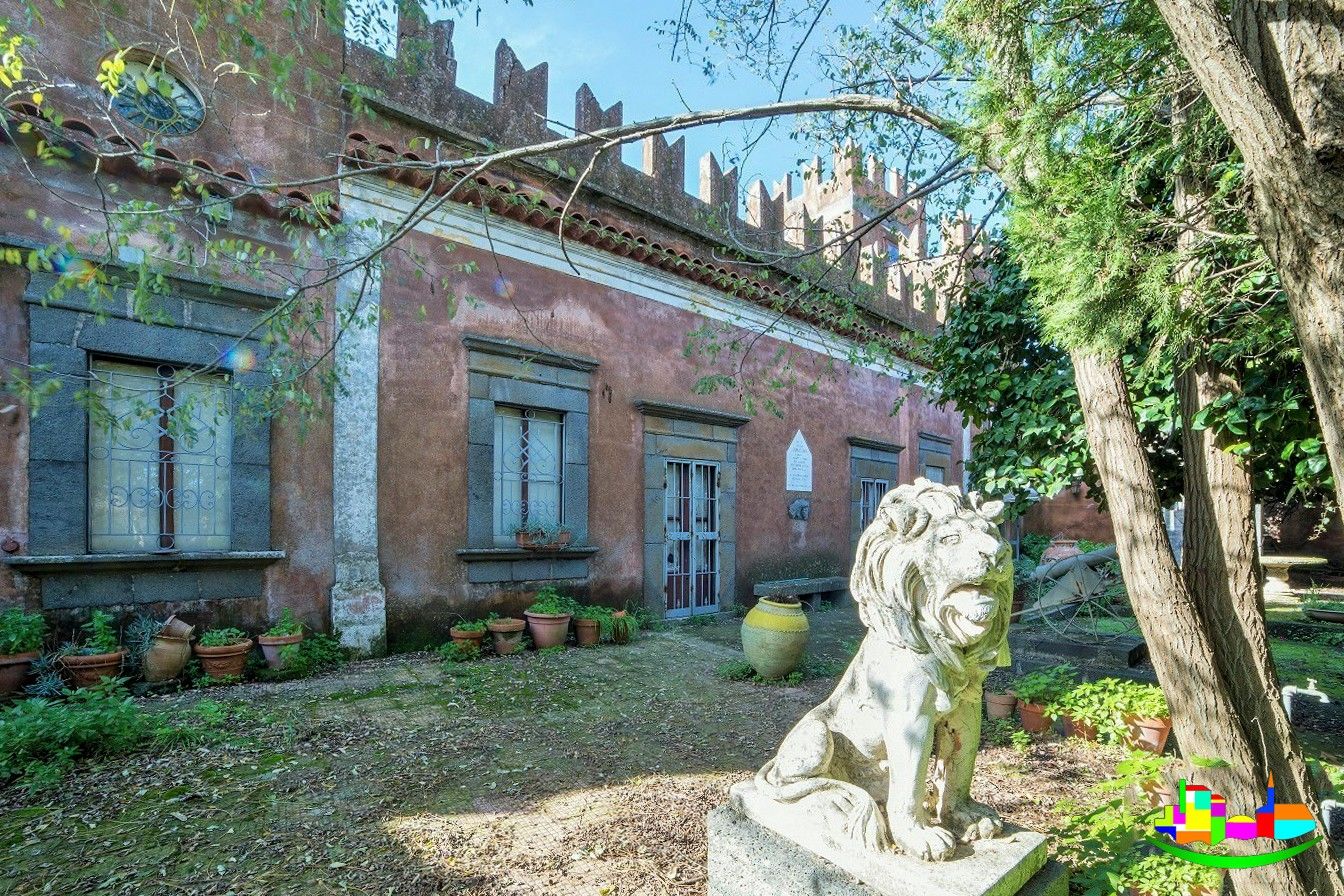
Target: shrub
1093	703
453	652
314	654
286	626
1143	700
40	739
1045	685
21	632
1162	873
222	637
99	636
548	600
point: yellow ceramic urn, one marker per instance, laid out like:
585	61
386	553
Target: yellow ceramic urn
774	635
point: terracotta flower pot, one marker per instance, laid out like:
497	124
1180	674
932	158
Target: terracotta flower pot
1034	719
507	634
165	659
224	662
176	628
13	670
532	541
1147	734
622	628
1080	730
466	637
587	632
89	670
999	706
774	636
547	629
1060	549
271	648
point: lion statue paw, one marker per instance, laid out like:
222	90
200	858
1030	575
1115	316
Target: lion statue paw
927	842
976	821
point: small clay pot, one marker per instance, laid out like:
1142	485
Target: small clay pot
224	662
13	670
1080	730
271	648
531	541
587	632
507	634
548	629
1147	734
999	706
86	671
166	658
1034	719
176	628
467	638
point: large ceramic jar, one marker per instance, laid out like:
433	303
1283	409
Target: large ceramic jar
774	635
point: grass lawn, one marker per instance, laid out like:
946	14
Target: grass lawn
587	772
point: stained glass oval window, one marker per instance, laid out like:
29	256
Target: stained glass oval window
157	100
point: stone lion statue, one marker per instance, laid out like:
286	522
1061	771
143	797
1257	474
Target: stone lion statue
933	582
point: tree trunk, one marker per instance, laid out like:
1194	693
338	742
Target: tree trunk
1182	645
1278	86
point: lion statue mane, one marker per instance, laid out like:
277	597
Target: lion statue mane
933	582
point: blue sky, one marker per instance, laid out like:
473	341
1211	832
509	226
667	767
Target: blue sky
609	45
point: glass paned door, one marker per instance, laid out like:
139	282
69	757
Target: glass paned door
691	511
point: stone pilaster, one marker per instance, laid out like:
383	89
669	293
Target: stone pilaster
358	599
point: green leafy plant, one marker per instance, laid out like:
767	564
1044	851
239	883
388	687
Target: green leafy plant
1316	603
998	732
47	678
473	625
1143	700
550	601
100	636
21	632
286	625
1021	740
552	651
741	670
314	654
603	616
1096	704
453	652
1159	874
222	637
139	639
1045	685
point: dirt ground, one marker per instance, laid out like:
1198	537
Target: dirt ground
588	772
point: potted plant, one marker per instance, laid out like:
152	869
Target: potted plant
1089	709
591	624
1160	874
159	650
20	641
223	652
469	633
534	537
1036	689
506	632
1146	717
100	654
548	617
285	632
1000	702
624	627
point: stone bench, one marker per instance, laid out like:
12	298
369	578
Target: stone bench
806	590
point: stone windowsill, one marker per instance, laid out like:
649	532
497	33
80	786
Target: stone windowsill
60	563
477	555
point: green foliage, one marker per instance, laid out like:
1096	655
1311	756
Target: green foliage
456	652
1317	603
100	636
315	653
1143	700
471	625
998	732
222	637
21	632
1045	685
1021	740
287	625
551	601
557	650
1031	548
139	639
41	739
1158	872
1093	703
741	670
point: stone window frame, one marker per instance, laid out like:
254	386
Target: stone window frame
935	451
201	321
514	374
869	459
686	432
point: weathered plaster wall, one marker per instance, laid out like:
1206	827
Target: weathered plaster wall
423	430
1070	515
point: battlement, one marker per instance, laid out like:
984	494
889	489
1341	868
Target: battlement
890	251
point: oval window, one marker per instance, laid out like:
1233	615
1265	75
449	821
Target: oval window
154	98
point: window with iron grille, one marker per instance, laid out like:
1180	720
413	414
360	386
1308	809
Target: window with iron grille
935	456
528	469
870	495
159	459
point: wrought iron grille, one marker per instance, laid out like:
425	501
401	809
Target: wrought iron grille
159	460
870	495
691	509
529	465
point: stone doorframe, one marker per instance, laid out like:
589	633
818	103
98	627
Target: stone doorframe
685	432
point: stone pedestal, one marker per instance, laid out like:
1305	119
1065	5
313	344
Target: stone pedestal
750	857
